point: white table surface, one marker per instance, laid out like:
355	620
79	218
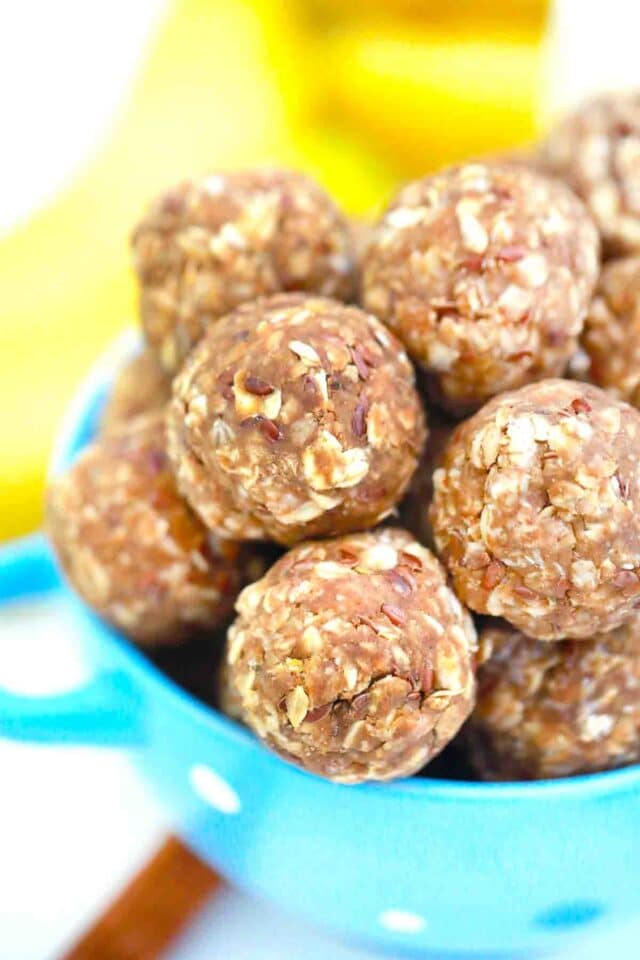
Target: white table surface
75	823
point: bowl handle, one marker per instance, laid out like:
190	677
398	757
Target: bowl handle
107	710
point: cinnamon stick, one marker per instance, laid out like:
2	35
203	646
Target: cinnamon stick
152	910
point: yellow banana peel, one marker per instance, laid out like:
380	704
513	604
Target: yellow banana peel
433	99
525	18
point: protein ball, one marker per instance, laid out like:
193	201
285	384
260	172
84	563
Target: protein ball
536	510
596	149
555	710
485	273
295	417
611	335
353	658
208	245
142	385
133	549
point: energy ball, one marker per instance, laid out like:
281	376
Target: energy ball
295	417
133	549
353	658
536	510
556	709
485	273
596	150
208	245
142	385
611	335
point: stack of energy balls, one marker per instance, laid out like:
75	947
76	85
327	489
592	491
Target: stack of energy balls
281	397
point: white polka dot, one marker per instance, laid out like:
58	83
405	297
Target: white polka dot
402	921
213	789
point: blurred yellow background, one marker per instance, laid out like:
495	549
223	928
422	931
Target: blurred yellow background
360	94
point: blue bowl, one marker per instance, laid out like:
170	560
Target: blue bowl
417	866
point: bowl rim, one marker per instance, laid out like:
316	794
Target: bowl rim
86	401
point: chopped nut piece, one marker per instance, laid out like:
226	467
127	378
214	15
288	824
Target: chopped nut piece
304	351
327	466
474	235
297	705
379	556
